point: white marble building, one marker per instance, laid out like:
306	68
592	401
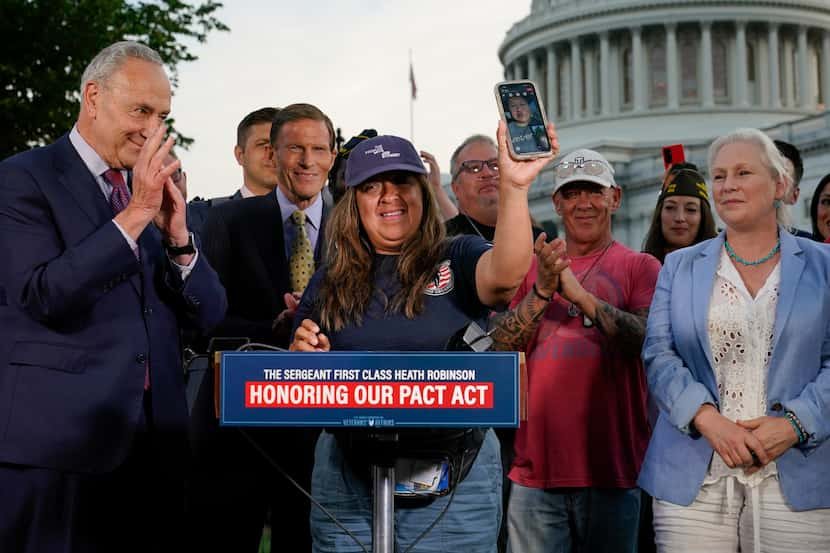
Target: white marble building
625	77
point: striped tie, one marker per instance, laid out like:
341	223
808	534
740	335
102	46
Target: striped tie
120	196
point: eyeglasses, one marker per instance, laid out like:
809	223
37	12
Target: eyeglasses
476	165
593	167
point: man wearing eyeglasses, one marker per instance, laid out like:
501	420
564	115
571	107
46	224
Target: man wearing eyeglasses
580	316
475	182
475	179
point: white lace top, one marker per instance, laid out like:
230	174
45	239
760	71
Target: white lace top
740	336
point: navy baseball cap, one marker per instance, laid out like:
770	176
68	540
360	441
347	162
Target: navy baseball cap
380	154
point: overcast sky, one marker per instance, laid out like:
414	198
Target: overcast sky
351	59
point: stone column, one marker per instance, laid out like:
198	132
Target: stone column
672	73
553	82
788	71
615	79
604	74
825	69
576	79
590	104
741	74
533	69
774	72
637	74
706	79
804	79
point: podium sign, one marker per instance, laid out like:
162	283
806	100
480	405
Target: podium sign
370	389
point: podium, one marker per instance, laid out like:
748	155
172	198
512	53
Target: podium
372	390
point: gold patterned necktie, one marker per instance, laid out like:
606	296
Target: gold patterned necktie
301	264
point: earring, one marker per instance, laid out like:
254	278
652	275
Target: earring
776	204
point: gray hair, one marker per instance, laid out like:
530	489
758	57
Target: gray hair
474	139
771	159
110	59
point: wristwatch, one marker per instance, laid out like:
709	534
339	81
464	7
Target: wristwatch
174	251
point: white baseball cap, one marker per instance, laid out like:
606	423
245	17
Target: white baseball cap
583	165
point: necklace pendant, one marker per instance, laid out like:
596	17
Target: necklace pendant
573	310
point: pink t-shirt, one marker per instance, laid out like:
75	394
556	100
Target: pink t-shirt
587	423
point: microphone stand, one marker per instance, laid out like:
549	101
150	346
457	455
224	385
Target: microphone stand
383	501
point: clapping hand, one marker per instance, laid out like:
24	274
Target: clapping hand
551	261
150	181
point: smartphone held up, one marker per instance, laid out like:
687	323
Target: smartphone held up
520	108
673	155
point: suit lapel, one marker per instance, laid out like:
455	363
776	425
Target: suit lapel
80	184
792	267
321	246
704	267
271	243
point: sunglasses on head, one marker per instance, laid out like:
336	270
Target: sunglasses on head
476	165
591	167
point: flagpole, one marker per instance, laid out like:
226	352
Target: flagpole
411	100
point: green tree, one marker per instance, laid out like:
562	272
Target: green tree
48	43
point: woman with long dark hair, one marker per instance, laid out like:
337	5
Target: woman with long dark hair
683	215
394	282
820	210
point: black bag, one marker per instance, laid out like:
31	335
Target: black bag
364	448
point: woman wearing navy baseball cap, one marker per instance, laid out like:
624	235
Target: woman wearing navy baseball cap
393	281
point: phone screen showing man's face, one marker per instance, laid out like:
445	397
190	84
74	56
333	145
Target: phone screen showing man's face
525	125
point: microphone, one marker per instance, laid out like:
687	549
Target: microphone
470	337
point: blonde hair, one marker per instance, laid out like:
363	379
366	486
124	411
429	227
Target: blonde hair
770	157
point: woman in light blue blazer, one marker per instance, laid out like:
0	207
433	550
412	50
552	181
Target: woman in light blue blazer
737	355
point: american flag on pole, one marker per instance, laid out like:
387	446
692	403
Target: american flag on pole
412	81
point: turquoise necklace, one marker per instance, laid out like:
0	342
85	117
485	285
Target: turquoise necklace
742	261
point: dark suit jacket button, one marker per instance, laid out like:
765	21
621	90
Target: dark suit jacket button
777	406
140	358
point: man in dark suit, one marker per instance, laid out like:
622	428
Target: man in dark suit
94	282
256	245
254	154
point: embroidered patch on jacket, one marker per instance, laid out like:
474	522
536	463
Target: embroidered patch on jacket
443	282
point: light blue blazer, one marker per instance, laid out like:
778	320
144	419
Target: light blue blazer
678	364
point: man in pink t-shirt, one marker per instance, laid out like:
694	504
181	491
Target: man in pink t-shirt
580	315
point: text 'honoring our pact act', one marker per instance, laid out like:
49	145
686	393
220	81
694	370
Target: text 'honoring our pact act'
446	395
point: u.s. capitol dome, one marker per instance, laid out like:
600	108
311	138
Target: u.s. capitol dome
625	77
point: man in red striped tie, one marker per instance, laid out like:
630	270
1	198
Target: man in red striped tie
98	271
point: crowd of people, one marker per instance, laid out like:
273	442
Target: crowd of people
678	396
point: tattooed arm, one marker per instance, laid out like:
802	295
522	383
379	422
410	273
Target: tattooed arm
512	330
627	330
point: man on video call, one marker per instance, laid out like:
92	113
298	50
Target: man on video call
522	128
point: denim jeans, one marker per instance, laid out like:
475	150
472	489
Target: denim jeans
573	520
470	525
